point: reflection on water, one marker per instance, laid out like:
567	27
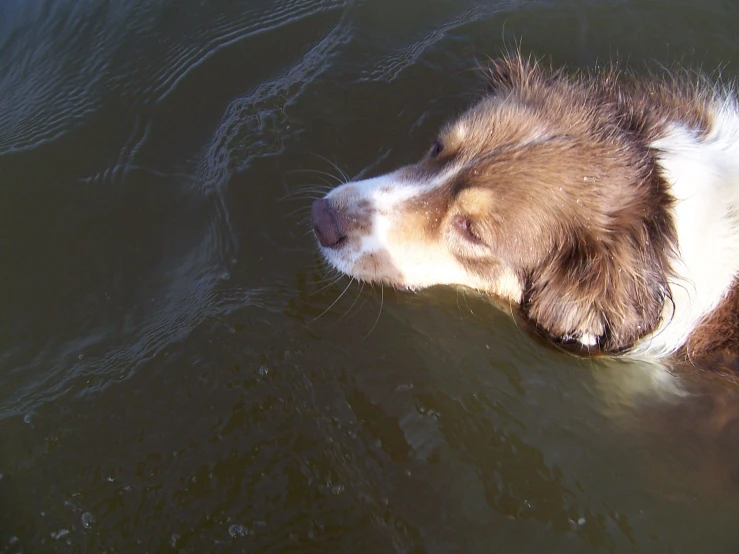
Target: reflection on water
256	125
94	45
62	61
174	372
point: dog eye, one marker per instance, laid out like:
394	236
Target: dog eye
436	148
466	228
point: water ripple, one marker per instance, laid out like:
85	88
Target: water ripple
388	68
116	174
191	290
255	125
58	61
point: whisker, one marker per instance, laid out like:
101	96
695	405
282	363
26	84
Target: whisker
353	303
343	174
379	313
359	308
339	179
312	191
323	186
334	302
298	210
303	196
327	282
464	295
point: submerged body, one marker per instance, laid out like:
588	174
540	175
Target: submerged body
604	206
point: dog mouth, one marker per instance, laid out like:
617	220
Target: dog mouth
373	232
332	230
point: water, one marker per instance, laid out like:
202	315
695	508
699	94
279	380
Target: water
175	373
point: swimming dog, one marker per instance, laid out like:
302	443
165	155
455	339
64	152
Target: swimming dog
604	206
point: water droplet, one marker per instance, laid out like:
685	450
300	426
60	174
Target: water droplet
59	534
263	370
87	520
27	418
581	521
237	531
226	277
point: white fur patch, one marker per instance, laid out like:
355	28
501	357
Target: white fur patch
703	174
588	339
384	194
420	263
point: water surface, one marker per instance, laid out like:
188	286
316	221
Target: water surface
176	373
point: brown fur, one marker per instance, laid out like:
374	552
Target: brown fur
718	335
582	216
561	191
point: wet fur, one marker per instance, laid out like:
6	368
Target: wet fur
558	193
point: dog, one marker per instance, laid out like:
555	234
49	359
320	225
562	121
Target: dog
603	206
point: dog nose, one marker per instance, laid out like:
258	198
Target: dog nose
325	225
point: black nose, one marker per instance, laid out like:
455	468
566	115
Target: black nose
325	225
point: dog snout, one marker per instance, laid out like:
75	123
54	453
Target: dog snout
325	224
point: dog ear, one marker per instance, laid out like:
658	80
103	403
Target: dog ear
605	296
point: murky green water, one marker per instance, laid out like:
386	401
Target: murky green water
174	373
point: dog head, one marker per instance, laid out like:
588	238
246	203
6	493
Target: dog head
536	195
